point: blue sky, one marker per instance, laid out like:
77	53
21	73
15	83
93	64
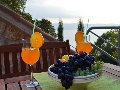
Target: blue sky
98	11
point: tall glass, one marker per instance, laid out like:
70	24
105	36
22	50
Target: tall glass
84	46
30	56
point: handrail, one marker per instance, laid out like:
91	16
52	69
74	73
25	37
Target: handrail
102	27
108	27
104	40
105	53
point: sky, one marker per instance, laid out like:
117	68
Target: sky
105	12
97	11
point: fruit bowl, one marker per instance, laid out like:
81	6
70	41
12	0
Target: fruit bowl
79	82
76	71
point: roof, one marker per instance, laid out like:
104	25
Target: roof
25	22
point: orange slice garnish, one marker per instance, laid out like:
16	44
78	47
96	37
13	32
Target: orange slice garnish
79	37
36	40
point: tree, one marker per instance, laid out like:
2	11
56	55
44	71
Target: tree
60	31
26	16
46	26
80	26
110	36
18	6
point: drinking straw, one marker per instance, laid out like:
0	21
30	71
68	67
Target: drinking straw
34	26
86	31
33	31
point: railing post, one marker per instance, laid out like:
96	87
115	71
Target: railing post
119	46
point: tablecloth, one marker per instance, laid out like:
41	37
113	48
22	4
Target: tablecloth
104	83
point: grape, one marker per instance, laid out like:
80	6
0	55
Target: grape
80	64
81	73
70	57
60	64
74	57
64	83
76	63
95	71
79	69
83	54
82	60
76	54
63	68
68	69
70	83
95	67
98	62
88	64
59	76
71	60
67	87
66	72
99	71
62	75
87	58
72	68
87	73
102	62
56	65
71	77
70	64
77	73
59	70
66	76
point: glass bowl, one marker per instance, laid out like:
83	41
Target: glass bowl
79	82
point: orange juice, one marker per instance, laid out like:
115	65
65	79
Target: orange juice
80	47
85	47
30	55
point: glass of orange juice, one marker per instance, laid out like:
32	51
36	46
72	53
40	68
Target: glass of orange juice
30	56
30	53
84	46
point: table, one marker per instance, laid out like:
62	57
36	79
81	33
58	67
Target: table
104	83
16	83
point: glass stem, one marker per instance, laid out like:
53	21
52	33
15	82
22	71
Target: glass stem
31	73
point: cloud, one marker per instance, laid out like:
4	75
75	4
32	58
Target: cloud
98	11
40	10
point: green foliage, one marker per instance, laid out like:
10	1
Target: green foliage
112	37
60	31
46	26
17	6
27	16
80	26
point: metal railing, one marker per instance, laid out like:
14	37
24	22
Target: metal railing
107	27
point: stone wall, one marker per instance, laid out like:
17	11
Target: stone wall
10	34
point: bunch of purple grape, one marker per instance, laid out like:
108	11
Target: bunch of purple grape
66	70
